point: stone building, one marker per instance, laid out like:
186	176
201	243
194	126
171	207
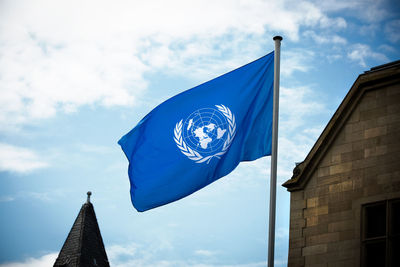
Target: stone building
345	195
84	245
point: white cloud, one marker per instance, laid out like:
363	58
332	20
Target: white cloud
292	150
44	196
6	198
44	261
373	10
387	48
18	159
280	262
392	30
58	56
296	60
361	52
336	23
364	10
314	132
325	39
116	251
127	256
370	30
138	255
30	195
336	5
94	149
297	104
282	233
334	57
205	252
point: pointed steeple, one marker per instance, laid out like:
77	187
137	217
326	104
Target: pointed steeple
84	245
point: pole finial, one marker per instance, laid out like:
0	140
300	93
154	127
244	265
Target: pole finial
277	38
88	196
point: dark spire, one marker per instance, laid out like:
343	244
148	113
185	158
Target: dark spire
84	245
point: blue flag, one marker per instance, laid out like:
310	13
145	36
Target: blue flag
201	135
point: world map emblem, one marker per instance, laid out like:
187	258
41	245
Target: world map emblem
206	133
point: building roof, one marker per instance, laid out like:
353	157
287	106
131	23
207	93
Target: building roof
84	244
376	77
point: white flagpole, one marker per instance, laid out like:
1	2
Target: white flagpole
274	153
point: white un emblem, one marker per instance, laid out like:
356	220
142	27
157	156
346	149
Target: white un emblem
206	133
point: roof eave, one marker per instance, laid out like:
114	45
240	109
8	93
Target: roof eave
372	79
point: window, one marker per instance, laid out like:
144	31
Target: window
380	234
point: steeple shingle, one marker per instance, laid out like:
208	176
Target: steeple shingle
84	245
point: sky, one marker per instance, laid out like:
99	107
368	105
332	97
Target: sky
77	75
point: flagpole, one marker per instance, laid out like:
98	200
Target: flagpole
274	153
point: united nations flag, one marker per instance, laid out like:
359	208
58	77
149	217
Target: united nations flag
201	135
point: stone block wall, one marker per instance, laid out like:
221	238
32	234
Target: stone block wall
361	166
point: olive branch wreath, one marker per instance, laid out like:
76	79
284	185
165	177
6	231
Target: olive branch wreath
196	156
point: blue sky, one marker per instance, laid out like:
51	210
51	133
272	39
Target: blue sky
77	75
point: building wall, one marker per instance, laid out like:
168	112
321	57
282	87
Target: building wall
361	166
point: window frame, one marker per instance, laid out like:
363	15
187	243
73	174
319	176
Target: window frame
388	236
